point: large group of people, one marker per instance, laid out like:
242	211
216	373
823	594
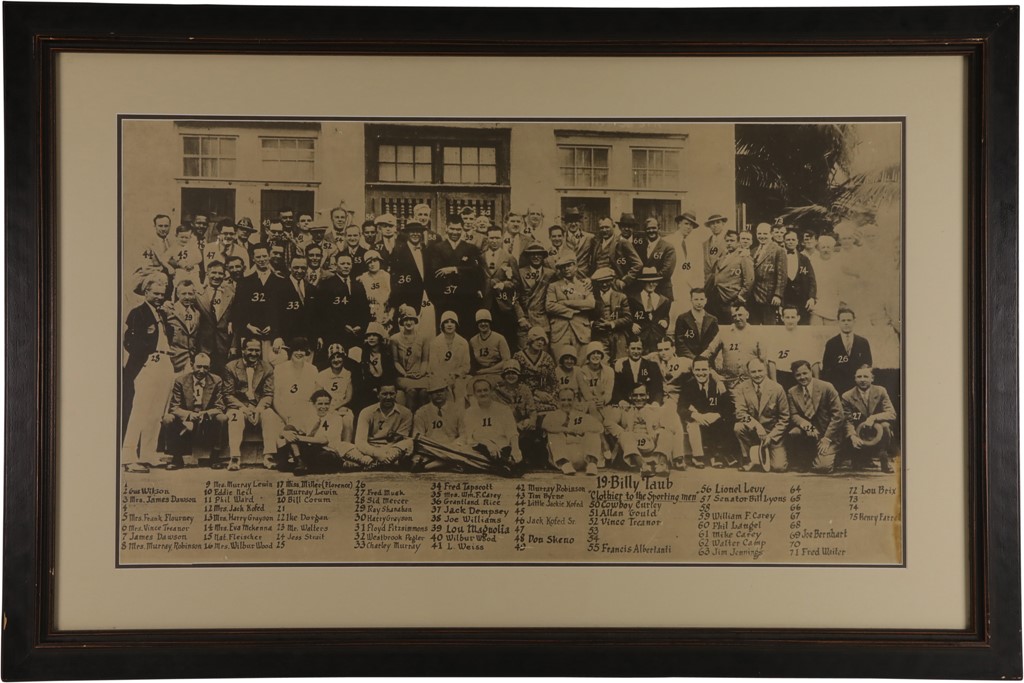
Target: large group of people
479	346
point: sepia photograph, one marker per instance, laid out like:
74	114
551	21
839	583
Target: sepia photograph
511	342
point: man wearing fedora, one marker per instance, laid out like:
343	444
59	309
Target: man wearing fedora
657	253
688	241
615	252
650	311
627	226
532	287
869	417
581	242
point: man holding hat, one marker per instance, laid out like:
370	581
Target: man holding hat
581	242
612	314
650	311
869	417
569	303
655	252
615	252
762	418
531	287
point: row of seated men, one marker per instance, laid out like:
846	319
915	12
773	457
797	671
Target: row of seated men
629	416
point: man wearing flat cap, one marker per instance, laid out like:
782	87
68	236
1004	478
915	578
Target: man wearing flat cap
532	286
387	240
612	314
580	241
569	303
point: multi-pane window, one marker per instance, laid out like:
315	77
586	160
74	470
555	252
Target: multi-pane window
404	163
584	166
656	168
288	158
209	156
470	165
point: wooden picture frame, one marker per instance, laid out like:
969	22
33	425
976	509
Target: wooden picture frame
37	33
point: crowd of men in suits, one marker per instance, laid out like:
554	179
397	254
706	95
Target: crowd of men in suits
477	346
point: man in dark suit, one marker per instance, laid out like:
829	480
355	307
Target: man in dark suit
634	370
656	253
816	413
844	353
706	411
356	251
408	270
613	316
501	298
296	307
454	274
215	301
341	309
650	311
801	286
769	278
762	418
869	417
256	313
615	252
145	325
197	414
696	330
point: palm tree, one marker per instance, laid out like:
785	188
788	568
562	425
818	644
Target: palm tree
808	175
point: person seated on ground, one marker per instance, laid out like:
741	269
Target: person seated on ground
383	433
336	380
315	445
674	370
435	428
197	414
706	410
489	428
647	436
869	417
816	414
574	437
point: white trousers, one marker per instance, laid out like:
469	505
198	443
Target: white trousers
153	387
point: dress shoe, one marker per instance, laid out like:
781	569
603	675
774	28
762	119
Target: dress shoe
268	461
235	464
591	469
136	468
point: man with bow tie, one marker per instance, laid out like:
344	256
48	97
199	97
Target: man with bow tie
197	414
816	412
762	418
650	310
